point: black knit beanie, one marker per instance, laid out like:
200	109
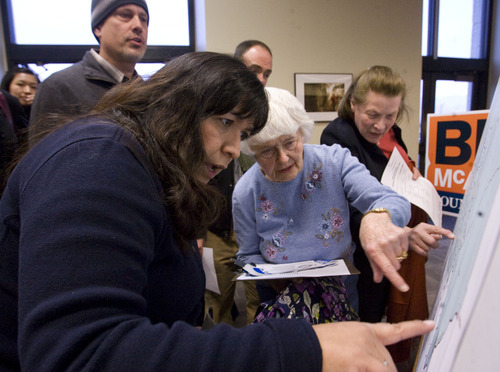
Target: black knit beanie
101	9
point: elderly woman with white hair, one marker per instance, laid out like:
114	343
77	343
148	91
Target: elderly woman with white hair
293	205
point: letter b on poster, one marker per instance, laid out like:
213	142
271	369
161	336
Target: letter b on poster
452	143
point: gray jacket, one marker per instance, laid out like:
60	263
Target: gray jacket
72	91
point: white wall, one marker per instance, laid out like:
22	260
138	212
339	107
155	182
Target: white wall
327	36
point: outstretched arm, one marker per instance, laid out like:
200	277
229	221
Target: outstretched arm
357	346
383	243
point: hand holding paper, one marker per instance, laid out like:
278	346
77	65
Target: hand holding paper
420	192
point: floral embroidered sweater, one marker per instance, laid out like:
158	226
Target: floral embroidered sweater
308	217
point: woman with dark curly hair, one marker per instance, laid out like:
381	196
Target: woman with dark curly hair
99	264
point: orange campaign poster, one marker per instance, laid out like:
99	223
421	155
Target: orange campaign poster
452	143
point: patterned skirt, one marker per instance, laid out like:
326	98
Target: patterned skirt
318	300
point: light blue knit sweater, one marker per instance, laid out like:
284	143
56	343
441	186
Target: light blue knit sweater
308	217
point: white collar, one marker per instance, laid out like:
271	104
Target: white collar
116	74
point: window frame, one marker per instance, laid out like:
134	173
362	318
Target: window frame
475	70
23	54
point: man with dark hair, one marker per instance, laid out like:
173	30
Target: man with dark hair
121	28
258	58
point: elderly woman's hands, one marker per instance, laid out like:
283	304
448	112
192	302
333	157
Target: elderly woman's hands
383	243
357	346
424	236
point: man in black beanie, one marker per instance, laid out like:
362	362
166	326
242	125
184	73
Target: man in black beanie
121	28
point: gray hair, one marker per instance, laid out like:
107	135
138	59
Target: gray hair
287	116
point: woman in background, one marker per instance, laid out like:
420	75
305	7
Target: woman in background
366	125
22	83
13	132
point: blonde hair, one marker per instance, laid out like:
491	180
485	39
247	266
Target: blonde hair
377	79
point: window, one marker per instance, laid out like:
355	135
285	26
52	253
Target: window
461	29
44	71
455	62
452	96
56	38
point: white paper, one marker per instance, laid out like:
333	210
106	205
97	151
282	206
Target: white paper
420	192
300	269
208	266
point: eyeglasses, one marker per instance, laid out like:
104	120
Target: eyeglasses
270	152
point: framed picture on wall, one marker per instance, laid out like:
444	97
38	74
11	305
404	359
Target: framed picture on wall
321	93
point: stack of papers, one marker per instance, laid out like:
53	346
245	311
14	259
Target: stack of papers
301	269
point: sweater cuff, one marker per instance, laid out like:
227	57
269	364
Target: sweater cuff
298	346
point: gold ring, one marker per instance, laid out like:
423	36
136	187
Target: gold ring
403	256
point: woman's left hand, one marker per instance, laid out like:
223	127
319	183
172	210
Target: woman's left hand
415	174
424	236
384	243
